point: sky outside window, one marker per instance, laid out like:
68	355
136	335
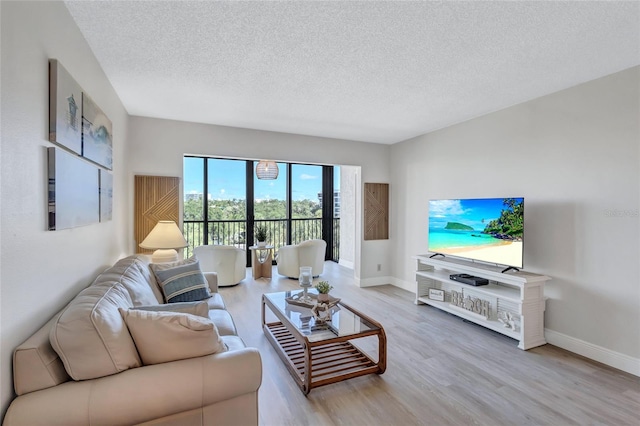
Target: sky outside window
229	181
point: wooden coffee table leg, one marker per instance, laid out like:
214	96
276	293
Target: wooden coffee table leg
382	351
306	387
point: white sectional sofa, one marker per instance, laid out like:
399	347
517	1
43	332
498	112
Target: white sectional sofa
118	355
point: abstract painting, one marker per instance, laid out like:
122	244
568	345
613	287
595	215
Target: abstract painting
376	211
74	196
106	195
65	97
96	134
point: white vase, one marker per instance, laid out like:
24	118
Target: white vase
262	243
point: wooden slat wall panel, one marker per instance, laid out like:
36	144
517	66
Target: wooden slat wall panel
376	211
156	198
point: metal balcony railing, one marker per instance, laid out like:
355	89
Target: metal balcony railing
234	233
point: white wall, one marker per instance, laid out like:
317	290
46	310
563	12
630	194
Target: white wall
158	146
40	270
574	156
348	192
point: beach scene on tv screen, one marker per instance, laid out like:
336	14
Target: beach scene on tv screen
490	229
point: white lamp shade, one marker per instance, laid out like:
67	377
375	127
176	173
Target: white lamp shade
266	169
165	235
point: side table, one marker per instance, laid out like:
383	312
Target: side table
261	259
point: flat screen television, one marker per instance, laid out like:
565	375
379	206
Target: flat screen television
489	230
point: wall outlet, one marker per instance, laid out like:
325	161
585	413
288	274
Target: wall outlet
379	267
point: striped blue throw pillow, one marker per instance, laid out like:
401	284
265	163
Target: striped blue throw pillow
182	281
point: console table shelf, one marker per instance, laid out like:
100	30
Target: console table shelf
512	303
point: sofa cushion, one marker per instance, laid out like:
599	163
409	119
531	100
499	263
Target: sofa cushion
181	281
223	320
143	263
170	336
233	343
135	276
216	301
200	308
36	365
90	335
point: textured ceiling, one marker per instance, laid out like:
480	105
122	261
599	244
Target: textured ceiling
369	71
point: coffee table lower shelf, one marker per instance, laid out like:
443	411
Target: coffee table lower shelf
330	361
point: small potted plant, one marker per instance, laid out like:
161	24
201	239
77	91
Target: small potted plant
323	288
261	235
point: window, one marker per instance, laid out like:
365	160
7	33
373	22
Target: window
291	206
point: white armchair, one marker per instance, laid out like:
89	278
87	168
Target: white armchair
307	253
228	262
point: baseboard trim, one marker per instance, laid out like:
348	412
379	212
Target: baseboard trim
372	282
346	263
597	353
405	285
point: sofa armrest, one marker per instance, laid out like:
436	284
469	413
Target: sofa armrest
143	394
212	279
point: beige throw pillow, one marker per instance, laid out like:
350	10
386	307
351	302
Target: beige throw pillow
170	336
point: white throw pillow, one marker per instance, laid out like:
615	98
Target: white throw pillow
170	336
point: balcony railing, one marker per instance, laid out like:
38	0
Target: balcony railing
234	233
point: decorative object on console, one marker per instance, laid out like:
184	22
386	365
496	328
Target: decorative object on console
436	294
507	320
323	288
164	238
261	234
267	170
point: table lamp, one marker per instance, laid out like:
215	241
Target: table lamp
164	238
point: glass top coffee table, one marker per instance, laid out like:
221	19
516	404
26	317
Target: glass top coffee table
316	353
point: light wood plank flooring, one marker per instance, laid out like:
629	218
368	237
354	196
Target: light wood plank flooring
441	370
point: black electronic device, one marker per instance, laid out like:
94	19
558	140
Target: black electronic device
469	279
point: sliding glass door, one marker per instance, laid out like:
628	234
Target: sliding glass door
299	205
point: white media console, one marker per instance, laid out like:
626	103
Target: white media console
512	303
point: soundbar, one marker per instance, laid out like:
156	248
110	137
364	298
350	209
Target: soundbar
469	279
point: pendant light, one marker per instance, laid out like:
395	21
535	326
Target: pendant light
267	170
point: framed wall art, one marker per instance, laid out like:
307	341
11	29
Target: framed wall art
106	195
96	134
376	211
65	101
74	196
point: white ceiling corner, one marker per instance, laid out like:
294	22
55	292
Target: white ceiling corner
373	71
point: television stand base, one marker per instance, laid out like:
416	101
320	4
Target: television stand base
511	304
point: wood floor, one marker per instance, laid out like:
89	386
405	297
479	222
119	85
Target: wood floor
441	370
